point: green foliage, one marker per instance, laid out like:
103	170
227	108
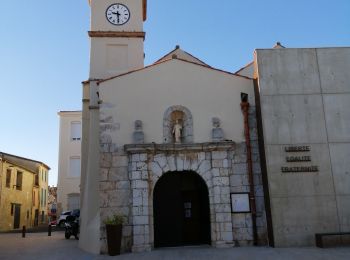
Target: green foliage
114	220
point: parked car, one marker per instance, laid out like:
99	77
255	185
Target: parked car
76	213
62	219
53	223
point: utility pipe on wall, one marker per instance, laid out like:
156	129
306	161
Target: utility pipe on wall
245	110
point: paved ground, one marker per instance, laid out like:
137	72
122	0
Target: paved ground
40	246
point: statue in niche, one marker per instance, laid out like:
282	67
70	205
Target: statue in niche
217	134
177	130
138	135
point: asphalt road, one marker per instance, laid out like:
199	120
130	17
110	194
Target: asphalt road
40	246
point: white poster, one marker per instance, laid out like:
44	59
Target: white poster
240	202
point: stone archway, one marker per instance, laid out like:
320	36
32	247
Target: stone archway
181	210
172	114
149	162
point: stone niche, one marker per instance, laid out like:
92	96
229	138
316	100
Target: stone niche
184	117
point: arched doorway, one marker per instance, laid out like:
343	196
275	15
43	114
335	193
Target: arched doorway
181	210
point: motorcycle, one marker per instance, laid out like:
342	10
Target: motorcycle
71	227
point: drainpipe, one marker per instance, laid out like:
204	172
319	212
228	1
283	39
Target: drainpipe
245	110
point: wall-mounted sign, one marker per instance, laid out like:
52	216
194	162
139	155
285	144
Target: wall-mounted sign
240	202
302	148
300	169
298	158
297	154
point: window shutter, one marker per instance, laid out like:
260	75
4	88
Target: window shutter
75	131
74	167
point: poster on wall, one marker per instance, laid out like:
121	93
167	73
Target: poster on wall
240	202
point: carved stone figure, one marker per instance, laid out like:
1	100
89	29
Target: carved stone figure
138	135
217	134
216	122
177	130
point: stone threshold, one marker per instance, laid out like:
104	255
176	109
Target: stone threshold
176	148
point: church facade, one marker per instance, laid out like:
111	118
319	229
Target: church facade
187	152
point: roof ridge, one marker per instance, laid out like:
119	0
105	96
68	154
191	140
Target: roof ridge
244	67
2	154
178	48
169	59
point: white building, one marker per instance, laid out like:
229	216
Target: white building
69	161
255	148
129	112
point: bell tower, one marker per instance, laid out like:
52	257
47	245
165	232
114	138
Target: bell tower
116	36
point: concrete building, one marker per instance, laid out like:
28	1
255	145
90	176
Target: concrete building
69	161
304	104
23	192
191	154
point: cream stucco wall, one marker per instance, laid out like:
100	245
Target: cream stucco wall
24	196
247	71
67	148
146	95
11	195
113	56
44	186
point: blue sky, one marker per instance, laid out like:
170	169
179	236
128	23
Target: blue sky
44	52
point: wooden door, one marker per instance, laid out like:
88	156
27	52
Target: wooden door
17	216
36	218
181	210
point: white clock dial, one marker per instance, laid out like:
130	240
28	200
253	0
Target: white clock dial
117	14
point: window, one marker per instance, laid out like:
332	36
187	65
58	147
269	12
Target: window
13	206
75	131
74	167
19	180
8	178
36	179
41	197
45	197
73	201
34	198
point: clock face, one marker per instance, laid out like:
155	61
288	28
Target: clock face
118	14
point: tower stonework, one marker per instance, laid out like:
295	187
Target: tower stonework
115	49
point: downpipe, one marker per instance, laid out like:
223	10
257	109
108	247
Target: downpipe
245	111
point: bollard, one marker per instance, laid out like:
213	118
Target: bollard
24	231
49	231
